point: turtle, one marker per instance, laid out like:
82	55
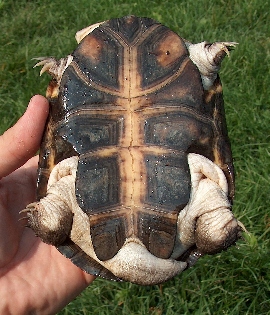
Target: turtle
135	176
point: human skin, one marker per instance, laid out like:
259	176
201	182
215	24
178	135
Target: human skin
34	277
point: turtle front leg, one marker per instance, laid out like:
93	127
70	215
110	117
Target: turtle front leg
208	57
53	66
51	218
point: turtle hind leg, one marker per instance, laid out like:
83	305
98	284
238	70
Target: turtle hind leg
206	225
51	218
51	222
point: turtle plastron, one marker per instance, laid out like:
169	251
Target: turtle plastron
135	177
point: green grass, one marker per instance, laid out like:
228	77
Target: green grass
233	282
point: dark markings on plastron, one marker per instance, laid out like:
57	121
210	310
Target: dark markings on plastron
130	27
97	183
97	187
185	90
108	236
99	57
157	233
168	181
90	131
76	93
177	131
160	56
83	261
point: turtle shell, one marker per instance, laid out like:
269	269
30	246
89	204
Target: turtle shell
131	106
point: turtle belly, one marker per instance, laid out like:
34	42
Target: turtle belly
132	192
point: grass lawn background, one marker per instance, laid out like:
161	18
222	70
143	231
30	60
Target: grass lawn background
236	281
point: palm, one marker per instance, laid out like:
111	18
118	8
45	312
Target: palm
33	276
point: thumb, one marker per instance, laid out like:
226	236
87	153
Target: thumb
19	143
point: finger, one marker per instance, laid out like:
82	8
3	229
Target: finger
21	142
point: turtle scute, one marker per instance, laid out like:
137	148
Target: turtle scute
135	178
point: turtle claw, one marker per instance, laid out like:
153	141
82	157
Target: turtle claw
228	46
30	209
47	63
53	66
218	49
24	219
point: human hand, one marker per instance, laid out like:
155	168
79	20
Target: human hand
34	277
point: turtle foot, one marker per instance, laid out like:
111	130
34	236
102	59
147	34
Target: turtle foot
51	224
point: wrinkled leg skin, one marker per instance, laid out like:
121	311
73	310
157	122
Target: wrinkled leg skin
51	218
207	223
